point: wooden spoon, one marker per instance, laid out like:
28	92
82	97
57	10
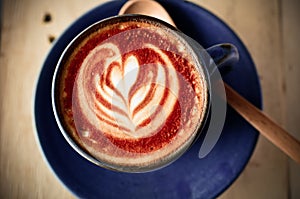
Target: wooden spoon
268	128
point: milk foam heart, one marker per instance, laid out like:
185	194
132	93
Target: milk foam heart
127	99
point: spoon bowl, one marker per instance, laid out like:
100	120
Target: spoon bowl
146	7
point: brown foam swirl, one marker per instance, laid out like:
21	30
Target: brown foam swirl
126	98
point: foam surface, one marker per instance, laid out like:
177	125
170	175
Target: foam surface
132	94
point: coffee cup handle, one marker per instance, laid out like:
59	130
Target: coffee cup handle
224	55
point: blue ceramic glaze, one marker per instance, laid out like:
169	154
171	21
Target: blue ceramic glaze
189	176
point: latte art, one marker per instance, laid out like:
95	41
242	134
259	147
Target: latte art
131	94
127	99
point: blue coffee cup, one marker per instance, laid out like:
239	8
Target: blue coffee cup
213	59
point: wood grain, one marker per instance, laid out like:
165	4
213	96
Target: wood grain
291	70
268	29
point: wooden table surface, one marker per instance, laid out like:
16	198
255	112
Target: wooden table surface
269	29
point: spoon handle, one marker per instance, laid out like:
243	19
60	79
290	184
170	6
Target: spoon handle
268	128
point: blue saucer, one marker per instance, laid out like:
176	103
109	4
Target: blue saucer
189	176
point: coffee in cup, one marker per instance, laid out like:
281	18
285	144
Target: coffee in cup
129	94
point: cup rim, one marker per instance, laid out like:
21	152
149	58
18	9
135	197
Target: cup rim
80	150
